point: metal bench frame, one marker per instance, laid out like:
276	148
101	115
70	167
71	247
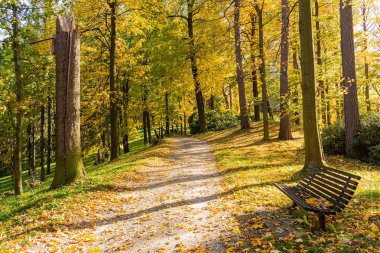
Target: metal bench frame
332	185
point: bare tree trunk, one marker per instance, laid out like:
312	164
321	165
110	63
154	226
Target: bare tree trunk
285	125
366	65
114	109
255	88
48	161
17	156
231	94
313	145
42	145
225	97
145	127
30	154
351	107
148	127
295	93
69	164
244	119
263	72
167	122
184	123
321	84
194	68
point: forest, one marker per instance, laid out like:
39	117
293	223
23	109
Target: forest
190	126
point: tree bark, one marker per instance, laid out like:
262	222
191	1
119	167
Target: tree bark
31	161
313	147
255	88
184	123
49	148
17	156
114	109
167	122
126	126
366	65
285	125
263	72
194	68
244	119
69	164
351	107
295	93
321	83
149	127
42	145
145	127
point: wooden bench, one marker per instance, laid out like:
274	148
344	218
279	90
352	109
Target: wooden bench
325	185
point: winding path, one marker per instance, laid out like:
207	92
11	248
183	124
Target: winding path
178	208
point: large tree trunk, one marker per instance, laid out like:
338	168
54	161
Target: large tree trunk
255	88
184	123
114	108
145	126
366	65
42	145
149	127
48	161
263	72
321	84
17	156
167	122
194	68
351	107
69	164
285	125
244	119
313	145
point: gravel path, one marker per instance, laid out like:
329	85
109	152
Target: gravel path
178	209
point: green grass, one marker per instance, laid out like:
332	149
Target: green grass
251	166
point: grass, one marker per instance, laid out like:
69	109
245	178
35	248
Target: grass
23	217
252	165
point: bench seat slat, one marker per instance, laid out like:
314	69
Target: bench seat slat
334	180
334	197
341	178
342	172
335	186
318	194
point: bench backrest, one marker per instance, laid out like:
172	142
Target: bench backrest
335	186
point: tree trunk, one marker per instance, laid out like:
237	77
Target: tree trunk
48	161
145	127
285	125
212	102
255	88
17	156
295	93
126	126
69	164
30	154
148	127
194	68
231	94
313	147
244	119
167	123
366	65
351	107
263	73
321	83
114	109
42	145
184	123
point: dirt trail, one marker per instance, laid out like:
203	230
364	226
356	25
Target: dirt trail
180	207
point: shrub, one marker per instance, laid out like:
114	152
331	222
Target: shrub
368	134
216	121
374	154
333	139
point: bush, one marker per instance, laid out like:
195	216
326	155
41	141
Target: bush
333	139
374	154
216	121
368	134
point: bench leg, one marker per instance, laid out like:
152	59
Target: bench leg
294	205
322	221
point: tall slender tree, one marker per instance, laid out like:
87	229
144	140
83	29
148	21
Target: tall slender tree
351	106
285	125
255	88
17	156
313	146
244	119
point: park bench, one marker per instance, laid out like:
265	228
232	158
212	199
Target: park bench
325	191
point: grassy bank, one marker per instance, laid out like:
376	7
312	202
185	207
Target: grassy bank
40	210
251	167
